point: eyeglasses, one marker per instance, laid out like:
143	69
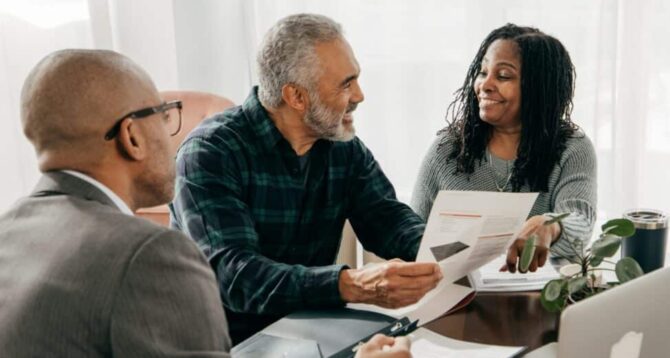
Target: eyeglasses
165	108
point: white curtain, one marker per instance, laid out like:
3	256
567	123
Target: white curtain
413	55
28	31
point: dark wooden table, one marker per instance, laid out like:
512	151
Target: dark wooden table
508	319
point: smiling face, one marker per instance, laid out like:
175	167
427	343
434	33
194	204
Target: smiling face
498	85
336	93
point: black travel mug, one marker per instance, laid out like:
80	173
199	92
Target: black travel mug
647	245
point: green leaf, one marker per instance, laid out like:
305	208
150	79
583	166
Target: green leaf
556	306
596	261
606	246
576	284
527	253
553	296
556	218
552	290
627	269
619	227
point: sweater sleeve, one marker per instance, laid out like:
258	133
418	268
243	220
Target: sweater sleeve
576	192
426	186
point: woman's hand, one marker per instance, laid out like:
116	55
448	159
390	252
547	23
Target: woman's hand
546	235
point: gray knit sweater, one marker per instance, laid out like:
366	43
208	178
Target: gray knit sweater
572	184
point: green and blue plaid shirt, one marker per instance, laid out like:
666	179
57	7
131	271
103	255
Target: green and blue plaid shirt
271	231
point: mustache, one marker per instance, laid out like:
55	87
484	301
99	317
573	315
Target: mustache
352	107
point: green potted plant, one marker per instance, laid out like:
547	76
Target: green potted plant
581	278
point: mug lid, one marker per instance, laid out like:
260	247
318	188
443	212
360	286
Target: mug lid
647	218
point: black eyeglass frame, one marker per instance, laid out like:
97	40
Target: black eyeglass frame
143	113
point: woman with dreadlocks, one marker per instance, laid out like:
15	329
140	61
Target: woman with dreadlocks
509	129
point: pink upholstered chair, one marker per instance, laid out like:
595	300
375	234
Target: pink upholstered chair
196	106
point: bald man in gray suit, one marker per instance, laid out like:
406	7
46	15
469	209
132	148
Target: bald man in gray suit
80	276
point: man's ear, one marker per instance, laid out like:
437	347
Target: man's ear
295	96
130	141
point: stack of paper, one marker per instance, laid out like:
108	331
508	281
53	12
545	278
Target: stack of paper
489	279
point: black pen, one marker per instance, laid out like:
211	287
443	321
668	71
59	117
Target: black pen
405	329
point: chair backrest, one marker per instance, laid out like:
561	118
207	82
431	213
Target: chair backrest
196	106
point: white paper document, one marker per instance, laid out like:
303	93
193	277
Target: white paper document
433	305
427	344
468	229
488	278
465	230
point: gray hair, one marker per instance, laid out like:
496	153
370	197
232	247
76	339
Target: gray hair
287	54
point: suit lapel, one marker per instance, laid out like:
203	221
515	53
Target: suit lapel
55	183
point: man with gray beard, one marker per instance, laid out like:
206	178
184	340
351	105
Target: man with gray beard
265	188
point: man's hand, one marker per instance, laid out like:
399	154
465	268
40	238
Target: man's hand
546	235
385	347
390	284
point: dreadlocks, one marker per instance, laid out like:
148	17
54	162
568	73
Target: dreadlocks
547	87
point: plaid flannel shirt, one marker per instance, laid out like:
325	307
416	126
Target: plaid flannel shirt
272	232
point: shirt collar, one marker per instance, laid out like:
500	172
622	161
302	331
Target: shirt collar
263	126
112	196
260	121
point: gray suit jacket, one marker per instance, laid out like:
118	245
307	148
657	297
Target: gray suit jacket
78	278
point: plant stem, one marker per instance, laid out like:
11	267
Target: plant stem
572	300
585	264
574	249
569	259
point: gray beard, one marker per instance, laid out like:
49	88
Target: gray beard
325	123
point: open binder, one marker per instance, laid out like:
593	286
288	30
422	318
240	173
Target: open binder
337	333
